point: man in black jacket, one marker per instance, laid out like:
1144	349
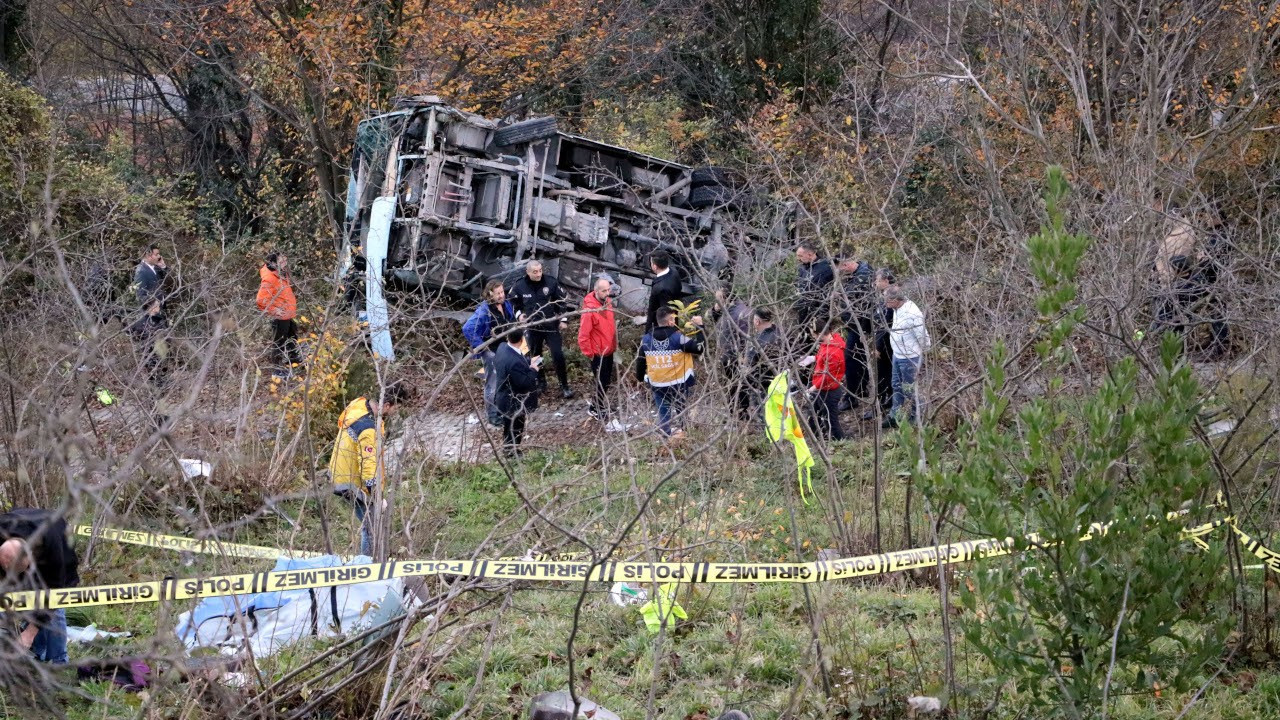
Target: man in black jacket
538	300
34	555
148	333
149	276
813	281
666	287
764	360
856	278
882	350
517	389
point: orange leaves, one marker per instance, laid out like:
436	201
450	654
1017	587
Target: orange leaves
483	53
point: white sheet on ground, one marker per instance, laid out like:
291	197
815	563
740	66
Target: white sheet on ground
89	634
267	622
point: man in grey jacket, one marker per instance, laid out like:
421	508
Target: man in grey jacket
149	276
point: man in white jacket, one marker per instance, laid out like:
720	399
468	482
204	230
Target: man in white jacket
910	340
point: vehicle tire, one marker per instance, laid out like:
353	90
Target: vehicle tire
526	131
711	196
712	176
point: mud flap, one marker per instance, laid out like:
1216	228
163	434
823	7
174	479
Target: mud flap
380	217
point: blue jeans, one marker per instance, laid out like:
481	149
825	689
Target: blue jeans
670	403
904	387
360	503
50	644
490	389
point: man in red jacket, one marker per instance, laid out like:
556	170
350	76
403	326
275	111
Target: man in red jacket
598	340
828	379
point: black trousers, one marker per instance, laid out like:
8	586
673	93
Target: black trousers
856	373
553	341
513	430
602	377
284	342
826	413
884	380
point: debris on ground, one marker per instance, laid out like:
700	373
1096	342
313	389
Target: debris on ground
558	705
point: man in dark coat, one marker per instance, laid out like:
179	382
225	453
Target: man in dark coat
882	351
666	287
35	555
517	392
540	302
149	276
149	337
858	305
814	277
764	360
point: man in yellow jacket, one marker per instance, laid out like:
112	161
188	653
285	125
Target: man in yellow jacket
357	454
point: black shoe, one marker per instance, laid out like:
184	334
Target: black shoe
566	393
888	424
869	415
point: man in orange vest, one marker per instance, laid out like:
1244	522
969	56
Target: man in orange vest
276	299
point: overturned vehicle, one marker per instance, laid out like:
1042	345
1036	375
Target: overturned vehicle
441	200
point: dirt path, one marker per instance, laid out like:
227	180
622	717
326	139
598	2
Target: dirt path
454	434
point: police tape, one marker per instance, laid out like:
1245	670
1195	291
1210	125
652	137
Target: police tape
228	549
1270	558
183	544
239	550
563	571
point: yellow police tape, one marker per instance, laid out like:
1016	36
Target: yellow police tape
564	571
173	542
238	550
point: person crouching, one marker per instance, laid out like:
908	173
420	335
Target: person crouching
34	555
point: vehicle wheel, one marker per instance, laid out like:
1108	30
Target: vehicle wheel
712	176
527	131
711	196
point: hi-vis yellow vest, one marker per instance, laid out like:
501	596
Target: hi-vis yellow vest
665	361
780	423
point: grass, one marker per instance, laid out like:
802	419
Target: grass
743	646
